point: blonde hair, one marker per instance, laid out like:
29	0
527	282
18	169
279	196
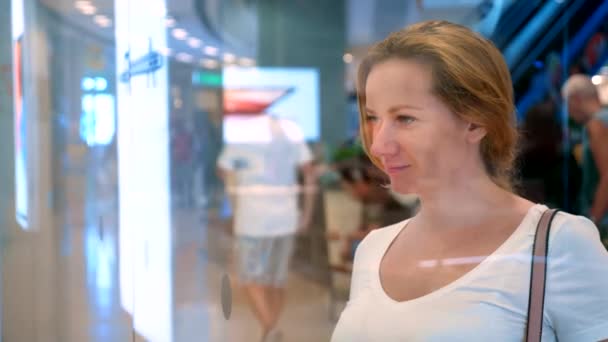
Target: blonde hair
469	75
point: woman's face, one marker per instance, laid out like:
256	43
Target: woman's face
420	142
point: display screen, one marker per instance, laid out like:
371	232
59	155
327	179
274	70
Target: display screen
289	93
251	101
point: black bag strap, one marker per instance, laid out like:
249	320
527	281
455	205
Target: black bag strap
538	276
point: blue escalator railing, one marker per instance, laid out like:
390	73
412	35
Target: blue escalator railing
556	27
539	88
512	20
518	47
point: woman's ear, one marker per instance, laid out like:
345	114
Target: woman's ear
475	132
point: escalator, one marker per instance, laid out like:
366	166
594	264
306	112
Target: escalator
539	37
514	18
560	38
557	51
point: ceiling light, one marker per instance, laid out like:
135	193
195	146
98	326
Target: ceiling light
101	84
184	57
88	84
194	43
102	20
229	58
179	34
170	22
82	3
347	58
210	63
248	62
211	50
88	10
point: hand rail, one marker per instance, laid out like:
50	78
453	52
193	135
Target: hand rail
571	49
547	38
513	19
518	48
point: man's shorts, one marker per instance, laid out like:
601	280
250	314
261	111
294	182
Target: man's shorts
264	260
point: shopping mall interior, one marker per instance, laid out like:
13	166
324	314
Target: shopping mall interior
115	224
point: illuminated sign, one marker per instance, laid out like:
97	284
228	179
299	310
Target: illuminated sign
208	79
21	113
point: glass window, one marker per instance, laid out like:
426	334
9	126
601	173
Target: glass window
192	170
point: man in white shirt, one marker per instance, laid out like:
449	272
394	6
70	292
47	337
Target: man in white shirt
260	168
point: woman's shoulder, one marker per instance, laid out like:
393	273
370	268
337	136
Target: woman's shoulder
574	243
577	280
564	228
572	233
380	239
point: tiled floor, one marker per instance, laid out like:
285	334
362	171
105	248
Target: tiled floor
199	272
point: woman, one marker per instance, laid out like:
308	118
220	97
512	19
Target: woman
437	113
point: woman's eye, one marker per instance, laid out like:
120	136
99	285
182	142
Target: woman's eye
405	119
371	118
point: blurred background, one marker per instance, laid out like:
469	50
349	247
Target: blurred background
114	224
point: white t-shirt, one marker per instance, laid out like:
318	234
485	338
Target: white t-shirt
266	176
490	302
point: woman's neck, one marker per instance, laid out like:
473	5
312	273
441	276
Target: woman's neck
466	204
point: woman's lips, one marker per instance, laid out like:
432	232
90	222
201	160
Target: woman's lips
393	169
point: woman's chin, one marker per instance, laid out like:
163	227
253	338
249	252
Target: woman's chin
402	189
407	198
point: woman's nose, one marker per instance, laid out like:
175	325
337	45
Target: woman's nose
383	142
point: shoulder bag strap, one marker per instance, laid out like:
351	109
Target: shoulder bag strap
536	301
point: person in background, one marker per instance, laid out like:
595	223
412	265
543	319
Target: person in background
261	176
540	163
182	148
363	181
437	116
585	108
542	160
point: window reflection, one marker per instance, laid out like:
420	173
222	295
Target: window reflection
221	138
